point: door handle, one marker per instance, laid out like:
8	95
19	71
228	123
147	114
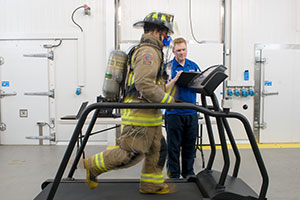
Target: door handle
49	94
48	55
4	94
269	93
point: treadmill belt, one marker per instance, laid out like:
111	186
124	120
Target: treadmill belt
119	191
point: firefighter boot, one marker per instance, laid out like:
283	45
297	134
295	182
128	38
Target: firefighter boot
165	190
90	178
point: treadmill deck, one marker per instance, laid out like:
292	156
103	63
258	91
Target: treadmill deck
125	190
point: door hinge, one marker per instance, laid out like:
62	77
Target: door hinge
262	125
260	60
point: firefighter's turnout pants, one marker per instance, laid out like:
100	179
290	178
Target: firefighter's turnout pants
137	142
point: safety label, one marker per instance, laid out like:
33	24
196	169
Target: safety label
268	83
5	83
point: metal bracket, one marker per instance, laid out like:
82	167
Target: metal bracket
260	60
269	93
49	94
49	55
262	125
41	137
4	94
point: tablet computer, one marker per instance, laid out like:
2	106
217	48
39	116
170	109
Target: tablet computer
185	78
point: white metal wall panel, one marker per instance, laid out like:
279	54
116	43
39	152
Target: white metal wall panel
253	21
35	19
206	17
297	7
257	21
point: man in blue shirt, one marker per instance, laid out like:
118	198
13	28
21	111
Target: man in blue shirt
181	124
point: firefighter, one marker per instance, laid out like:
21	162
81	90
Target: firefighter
141	136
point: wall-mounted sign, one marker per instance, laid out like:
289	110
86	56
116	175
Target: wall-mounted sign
5	83
268	83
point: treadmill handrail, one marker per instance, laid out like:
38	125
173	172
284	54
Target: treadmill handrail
97	106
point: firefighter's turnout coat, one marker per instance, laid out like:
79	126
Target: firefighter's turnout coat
141	136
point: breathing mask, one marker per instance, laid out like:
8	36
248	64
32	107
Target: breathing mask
167	39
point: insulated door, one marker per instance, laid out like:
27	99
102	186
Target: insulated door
20	75
279	113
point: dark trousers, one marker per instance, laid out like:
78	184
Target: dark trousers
182	131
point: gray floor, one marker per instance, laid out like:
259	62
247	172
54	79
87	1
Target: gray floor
24	168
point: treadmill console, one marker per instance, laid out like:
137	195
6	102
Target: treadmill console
205	82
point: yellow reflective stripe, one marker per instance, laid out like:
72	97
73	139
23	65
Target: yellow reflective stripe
155	15
167	98
131	79
163	17
172	93
133	120
127	111
145	118
97	162
164	99
128	99
141	121
131	75
130	123
152	181
132	58
100	165
152	175
158	82
152	178
102	161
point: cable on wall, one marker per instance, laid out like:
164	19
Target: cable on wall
73	17
87	11
191	23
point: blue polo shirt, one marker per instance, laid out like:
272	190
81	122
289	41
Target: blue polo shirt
184	94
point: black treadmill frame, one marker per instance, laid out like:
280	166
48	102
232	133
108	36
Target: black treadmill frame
220	116
212	184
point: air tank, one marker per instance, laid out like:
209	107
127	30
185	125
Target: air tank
114	75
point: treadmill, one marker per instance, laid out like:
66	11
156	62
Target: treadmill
208	184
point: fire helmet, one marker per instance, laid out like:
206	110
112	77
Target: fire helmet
162	20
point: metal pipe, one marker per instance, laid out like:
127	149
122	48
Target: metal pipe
227	9
117	37
40	133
